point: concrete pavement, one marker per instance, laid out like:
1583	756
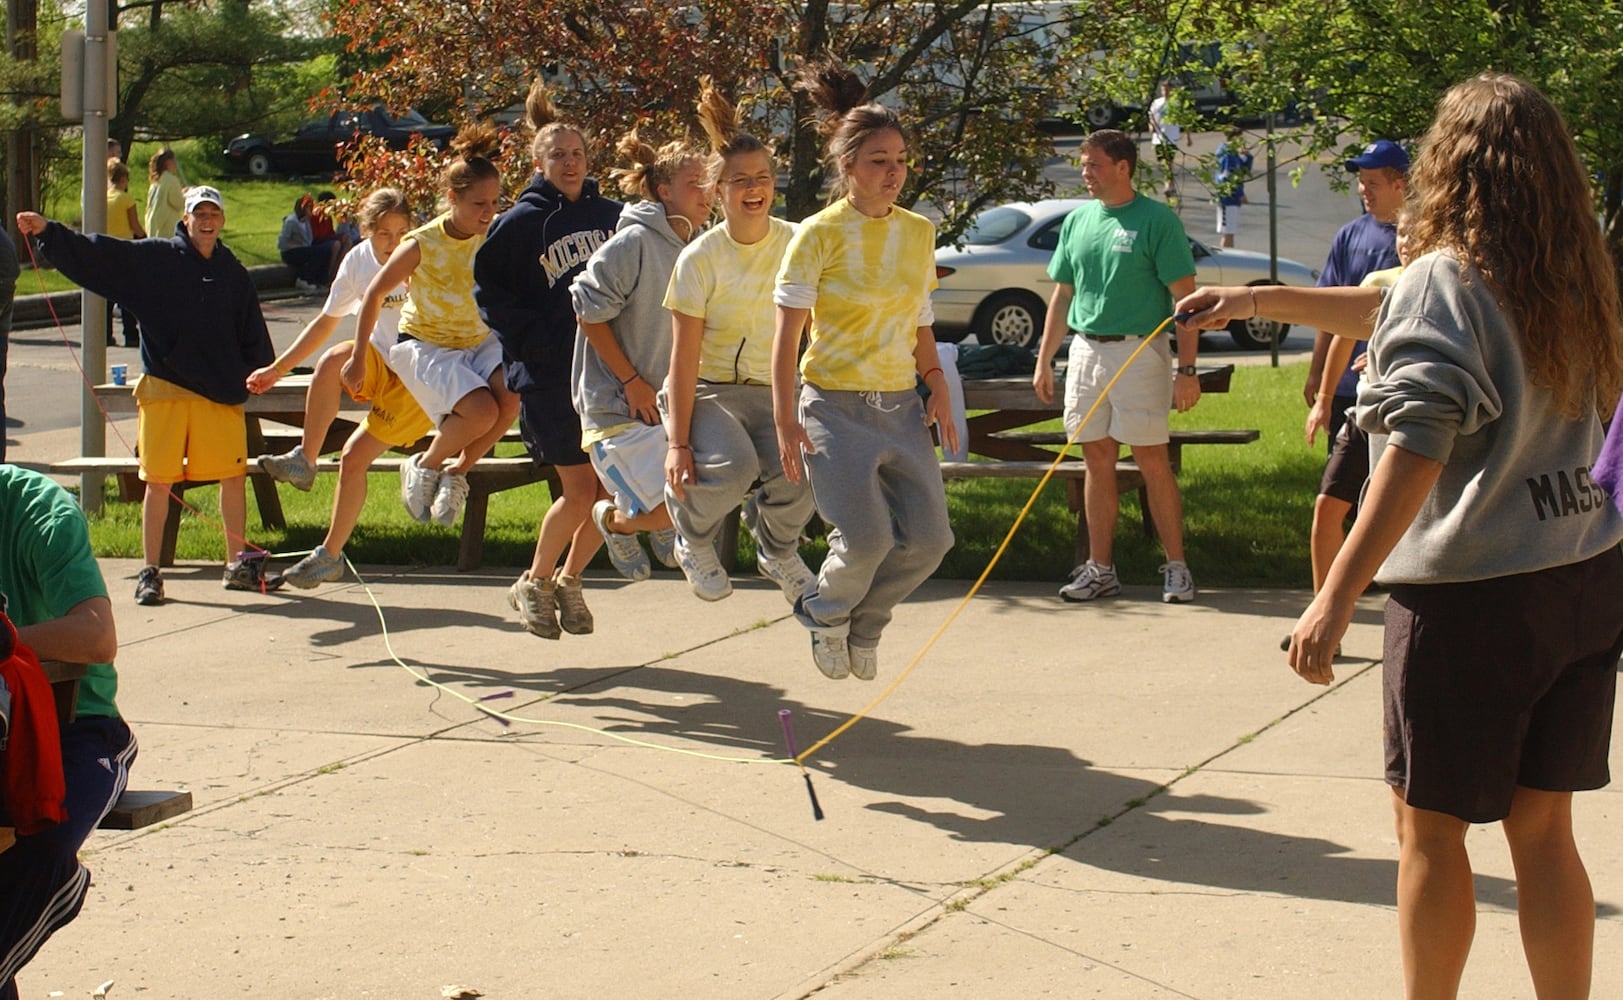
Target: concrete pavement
1126	800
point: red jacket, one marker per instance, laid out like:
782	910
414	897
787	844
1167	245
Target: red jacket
31	785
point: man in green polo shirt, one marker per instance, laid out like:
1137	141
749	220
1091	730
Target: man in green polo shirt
1122	260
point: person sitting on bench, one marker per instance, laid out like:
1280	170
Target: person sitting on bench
53	591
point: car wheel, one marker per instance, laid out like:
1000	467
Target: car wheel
259	164
1257	334
1012	318
1101	114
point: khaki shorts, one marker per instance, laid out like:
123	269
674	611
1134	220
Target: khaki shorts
1134	412
396	418
183	437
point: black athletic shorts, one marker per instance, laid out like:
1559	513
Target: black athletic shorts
550	427
1348	465
1504	682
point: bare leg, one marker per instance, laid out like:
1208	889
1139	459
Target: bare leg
568	524
1436	901
234	514
1327	536
350	497
471	420
322	399
1099	498
154	511
1554	902
1166	503
653	520
504	410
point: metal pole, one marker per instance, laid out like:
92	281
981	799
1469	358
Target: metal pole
1273	232
93	204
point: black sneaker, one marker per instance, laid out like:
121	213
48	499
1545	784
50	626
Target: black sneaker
149	586
248	573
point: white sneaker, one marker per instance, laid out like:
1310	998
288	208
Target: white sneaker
662	542
1090	581
1177	586
535	602
449	498
320	566
830	651
790	574
418	486
293	468
864	662
624	551
703	570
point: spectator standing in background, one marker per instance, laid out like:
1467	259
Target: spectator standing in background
166	198
1233	166
1165	133
123	221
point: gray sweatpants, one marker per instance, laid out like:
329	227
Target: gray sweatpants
734	443
878	485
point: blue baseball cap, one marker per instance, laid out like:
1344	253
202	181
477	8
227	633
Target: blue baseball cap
1380	153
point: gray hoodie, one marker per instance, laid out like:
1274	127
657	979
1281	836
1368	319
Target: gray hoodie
1448	382
624	286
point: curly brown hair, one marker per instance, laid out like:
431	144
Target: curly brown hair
472	151
848	118
544	120
719	118
651	167
1498	183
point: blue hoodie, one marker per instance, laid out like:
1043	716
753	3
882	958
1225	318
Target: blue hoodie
522	274
201	327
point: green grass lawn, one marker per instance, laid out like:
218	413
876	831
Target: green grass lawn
1247	510
254	208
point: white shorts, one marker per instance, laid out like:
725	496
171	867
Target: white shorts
439	377
1228	220
631	465
1135	410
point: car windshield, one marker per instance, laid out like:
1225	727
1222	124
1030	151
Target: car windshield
406	119
995	225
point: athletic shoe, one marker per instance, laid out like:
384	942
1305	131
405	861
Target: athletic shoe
663	544
703	570
1178	587
534	601
830	651
292	468
1090	581
864	662
149	586
573	614
418	487
247	572
308	287
624	552
789	573
316	568
449	498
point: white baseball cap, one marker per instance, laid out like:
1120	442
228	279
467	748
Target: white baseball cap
196	196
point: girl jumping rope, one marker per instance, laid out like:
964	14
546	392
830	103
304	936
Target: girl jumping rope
863	269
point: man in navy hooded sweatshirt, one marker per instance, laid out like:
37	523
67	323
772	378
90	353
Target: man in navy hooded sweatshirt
202	334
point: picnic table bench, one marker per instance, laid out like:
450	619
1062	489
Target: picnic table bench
269	414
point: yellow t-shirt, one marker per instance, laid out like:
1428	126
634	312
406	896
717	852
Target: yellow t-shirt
439	308
873	279
729	285
119	204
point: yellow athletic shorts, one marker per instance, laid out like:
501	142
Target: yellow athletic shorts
184	437
396	419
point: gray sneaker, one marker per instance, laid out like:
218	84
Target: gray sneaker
316	568
293	468
535	602
703	570
662	543
830	651
1177	586
149	586
790	574
573	614
449	498
624	551
1091	581
247	572
418	486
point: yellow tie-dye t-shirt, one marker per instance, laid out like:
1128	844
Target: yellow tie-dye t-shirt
729	285
873	279
439	307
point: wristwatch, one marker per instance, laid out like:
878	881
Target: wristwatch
1185	370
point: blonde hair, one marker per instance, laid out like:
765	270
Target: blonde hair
383	201
848	119
542	116
719	118
650	167
1498	183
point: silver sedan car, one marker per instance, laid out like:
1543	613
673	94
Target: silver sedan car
996	285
